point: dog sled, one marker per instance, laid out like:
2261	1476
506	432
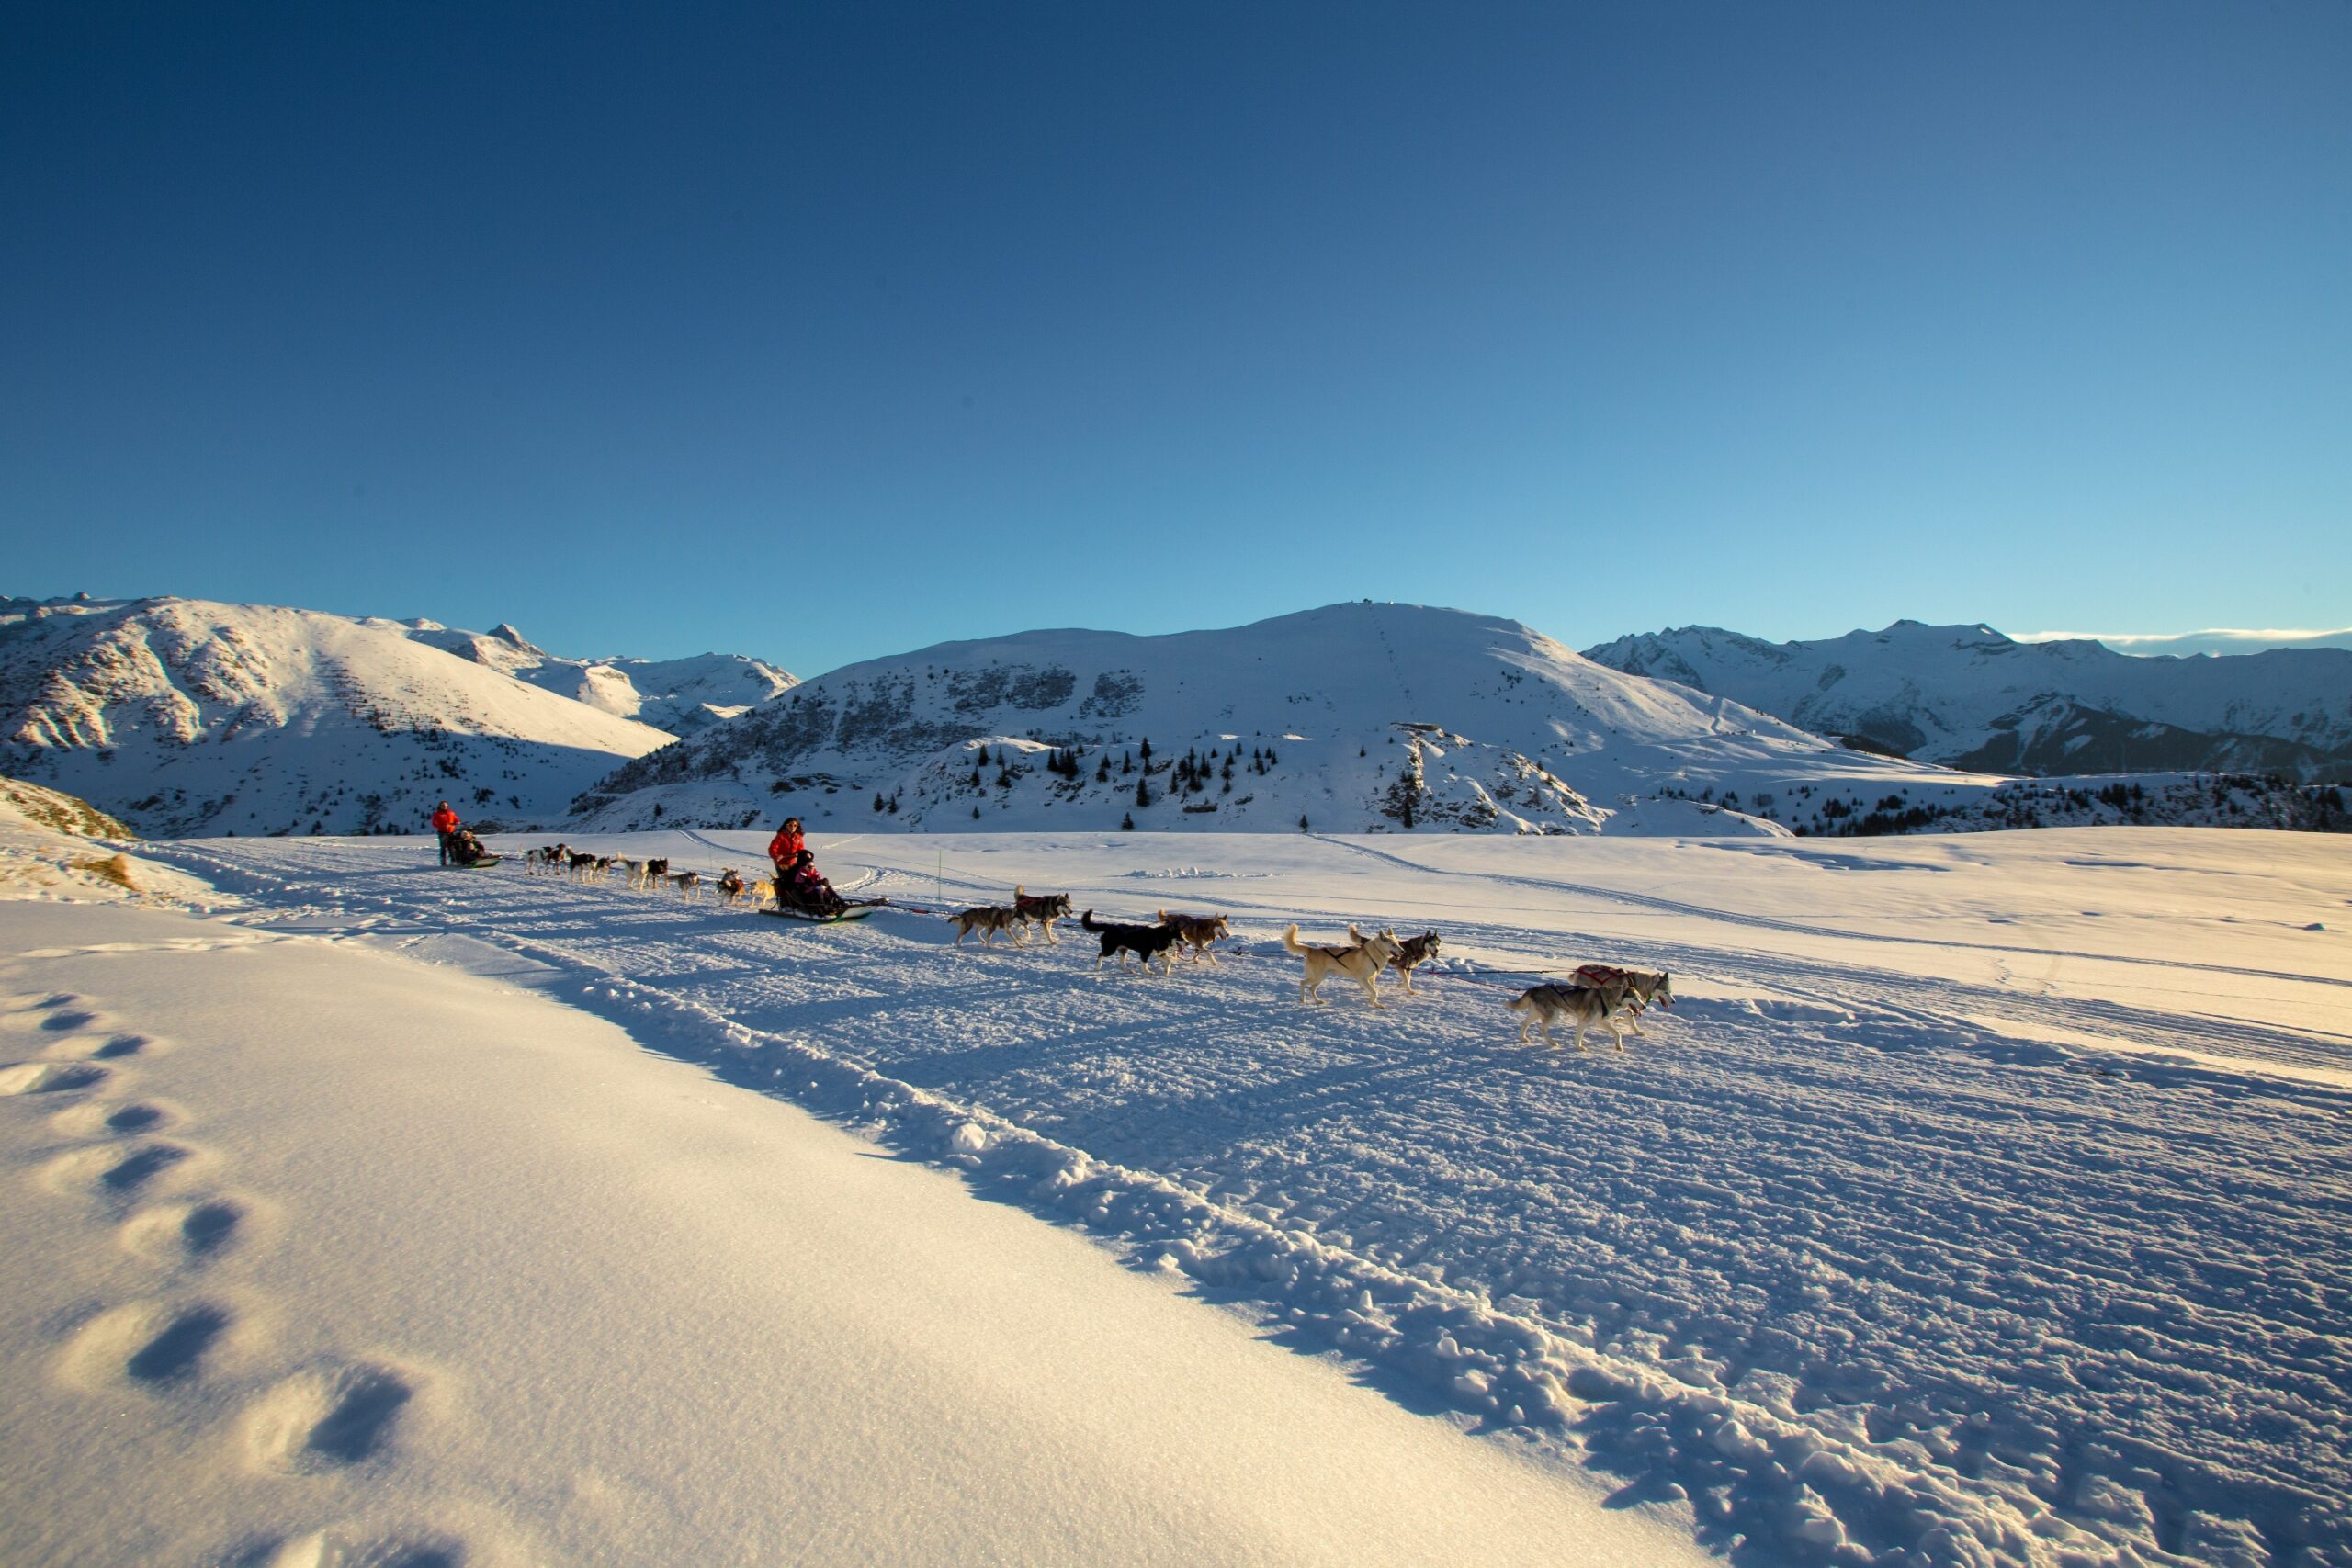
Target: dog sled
827	908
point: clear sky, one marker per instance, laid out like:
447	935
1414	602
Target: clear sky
824	331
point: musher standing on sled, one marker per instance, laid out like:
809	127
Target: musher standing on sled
445	822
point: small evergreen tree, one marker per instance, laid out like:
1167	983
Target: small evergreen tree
1146	749
1127	823
879	804
1301	822
1143	791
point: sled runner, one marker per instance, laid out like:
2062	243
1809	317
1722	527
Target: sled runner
808	917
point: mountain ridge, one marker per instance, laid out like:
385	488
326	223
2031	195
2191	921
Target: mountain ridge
1968	696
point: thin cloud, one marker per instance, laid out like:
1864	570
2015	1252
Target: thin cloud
2213	640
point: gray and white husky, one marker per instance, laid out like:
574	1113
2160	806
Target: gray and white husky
1584	1004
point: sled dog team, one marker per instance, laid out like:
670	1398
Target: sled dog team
1599	994
561	860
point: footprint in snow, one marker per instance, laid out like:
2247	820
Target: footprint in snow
352	1548
151	1345
107	1119
113	1172
186	1233
66	1019
49	1078
325	1418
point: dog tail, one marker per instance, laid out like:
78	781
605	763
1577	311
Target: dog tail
1087	920
1017	891
1519	1003
1290	938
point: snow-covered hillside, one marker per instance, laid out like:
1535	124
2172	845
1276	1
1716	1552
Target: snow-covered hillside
1353	718
679	695
183	715
1970	697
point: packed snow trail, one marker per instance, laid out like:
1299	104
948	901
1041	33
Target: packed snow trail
317	1255
1841	1267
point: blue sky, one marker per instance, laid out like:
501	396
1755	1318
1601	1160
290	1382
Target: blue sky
824	331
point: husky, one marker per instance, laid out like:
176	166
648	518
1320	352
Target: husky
1043	909
632	869
1142	941
1197	932
1362	963
582	865
1415	951
1587	1004
730	887
1641	988
689	886
1649	987
653	873
988	919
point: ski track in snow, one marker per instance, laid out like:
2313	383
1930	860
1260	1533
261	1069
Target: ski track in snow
1859	1278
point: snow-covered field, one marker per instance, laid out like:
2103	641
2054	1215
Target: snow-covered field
1983	1200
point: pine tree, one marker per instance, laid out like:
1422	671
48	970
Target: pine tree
1301	822
879	804
1103	771
1143	791
1127	823
1147	750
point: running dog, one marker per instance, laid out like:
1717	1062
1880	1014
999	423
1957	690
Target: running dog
1362	963
1197	932
730	887
653	873
1142	941
1650	988
1587	1004
1042	909
988	919
1641	988
1415	951
689	886
582	865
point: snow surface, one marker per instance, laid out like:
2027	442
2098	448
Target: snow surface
183	715
1971	697
319	1256
1983	1200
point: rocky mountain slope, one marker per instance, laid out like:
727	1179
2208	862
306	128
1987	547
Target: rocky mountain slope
1969	697
1352	717
187	716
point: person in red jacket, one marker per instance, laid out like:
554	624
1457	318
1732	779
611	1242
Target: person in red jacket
784	848
445	822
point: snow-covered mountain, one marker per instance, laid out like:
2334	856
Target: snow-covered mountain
679	695
1353	718
1970	697
183	716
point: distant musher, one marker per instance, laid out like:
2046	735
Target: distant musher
445	822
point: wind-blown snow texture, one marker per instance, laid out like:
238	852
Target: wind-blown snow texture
182	715
1970	697
1985	1199
1378	717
